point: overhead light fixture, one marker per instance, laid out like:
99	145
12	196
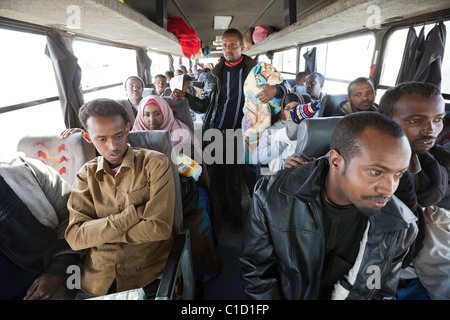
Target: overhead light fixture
222	22
218	41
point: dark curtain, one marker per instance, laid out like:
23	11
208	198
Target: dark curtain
68	76
429	68
171	67
310	61
410	55
144	63
422	58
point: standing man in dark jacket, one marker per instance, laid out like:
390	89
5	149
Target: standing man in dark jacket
333	229
222	101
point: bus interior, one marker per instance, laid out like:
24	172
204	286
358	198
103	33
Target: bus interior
351	38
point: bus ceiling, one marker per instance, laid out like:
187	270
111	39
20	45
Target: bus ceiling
141	23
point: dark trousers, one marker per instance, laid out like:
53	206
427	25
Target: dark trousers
226	177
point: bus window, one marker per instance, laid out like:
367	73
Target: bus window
104	65
41	119
26	76
321	56
393	55
285	61
160	63
26	72
341	61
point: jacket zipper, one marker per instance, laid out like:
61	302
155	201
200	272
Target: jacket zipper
322	256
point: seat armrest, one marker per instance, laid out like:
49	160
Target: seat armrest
179	260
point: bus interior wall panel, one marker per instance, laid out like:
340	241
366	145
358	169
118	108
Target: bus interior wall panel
94	18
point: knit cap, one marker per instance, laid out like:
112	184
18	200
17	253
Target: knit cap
303	111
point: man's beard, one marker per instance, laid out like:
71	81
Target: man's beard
369	211
420	141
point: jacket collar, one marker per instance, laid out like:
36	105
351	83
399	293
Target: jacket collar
305	183
248	61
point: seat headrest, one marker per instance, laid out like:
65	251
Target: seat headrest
329	104
181	111
314	135
66	156
158	140
126	104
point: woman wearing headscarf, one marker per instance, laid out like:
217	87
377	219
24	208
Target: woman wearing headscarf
155	114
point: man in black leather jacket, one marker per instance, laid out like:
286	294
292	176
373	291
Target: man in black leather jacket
332	229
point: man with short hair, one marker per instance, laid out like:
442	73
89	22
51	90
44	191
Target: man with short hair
161	88
169	75
420	109
314	85
300	78
333	229
134	86
121	207
361	97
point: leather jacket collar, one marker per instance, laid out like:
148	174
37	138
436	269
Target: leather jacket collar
393	216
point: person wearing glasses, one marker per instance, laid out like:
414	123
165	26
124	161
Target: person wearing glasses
134	87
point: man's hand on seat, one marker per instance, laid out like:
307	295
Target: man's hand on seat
66	133
296	160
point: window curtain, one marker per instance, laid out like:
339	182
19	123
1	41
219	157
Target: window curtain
68	76
310	61
430	66
171	67
422	58
411	55
144	63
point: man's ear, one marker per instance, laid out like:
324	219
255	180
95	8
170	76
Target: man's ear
335	159
348	99
128	127
86	136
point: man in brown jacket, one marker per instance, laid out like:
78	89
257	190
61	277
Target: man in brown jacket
121	207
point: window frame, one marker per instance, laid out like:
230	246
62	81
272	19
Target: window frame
340	38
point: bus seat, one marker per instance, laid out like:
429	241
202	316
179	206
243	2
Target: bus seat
67	156
167	92
306	97
314	135
299	89
291	129
181	111
329	104
180	257
148	92
291	82
126	104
